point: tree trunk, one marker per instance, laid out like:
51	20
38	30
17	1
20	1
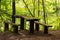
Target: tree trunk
13	11
44	11
34	7
0	5
28	8
38	8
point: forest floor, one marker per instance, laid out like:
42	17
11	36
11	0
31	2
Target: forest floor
24	35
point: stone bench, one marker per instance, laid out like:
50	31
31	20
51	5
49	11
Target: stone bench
27	18
44	25
6	26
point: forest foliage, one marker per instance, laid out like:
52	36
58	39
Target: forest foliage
35	8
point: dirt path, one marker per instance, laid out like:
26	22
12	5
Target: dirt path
24	35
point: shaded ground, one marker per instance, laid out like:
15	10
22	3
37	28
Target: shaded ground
24	35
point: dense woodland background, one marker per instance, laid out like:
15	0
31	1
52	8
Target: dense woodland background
47	10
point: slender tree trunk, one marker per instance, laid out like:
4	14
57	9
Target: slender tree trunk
0	5
38	8
59	13
13	11
28	8
44	11
34	7
0	10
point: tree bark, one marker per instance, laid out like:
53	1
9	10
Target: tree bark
13	11
38	8
0	5
44	11
28	8
34	7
